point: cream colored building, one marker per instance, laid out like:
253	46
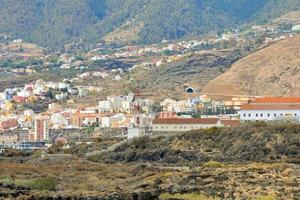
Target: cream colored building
184	124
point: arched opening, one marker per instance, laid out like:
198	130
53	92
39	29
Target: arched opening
190	90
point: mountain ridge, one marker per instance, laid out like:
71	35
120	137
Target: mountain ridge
53	23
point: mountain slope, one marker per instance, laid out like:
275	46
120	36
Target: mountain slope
276	8
57	22
272	71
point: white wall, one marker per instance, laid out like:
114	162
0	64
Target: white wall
135	132
105	122
268	115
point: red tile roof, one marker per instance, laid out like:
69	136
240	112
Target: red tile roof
230	123
185	121
278	100
270	107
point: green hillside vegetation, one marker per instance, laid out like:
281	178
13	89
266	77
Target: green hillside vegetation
52	23
258	142
275	8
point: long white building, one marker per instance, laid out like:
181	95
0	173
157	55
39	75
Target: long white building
271	109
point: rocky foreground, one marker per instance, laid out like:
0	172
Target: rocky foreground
253	161
147	182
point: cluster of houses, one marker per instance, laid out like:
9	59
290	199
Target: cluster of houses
40	90
133	114
114	112
271	34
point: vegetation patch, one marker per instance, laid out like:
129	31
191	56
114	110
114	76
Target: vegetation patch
6	181
213	164
38	183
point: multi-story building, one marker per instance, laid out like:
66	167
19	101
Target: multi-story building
271	109
85	116
41	128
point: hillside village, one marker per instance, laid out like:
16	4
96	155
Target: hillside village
31	112
180	119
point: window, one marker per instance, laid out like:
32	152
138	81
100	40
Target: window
256	115
274	114
261	115
295	114
244	114
268	114
249	115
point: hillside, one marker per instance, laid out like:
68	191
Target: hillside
53	23
258	142
272	71
169	79
275	8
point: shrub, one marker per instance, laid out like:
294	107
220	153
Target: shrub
6	181
13	153
213	164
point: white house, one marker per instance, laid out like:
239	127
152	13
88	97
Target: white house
105	106
58	120
135	132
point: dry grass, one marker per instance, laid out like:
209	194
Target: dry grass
272	71
190	196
